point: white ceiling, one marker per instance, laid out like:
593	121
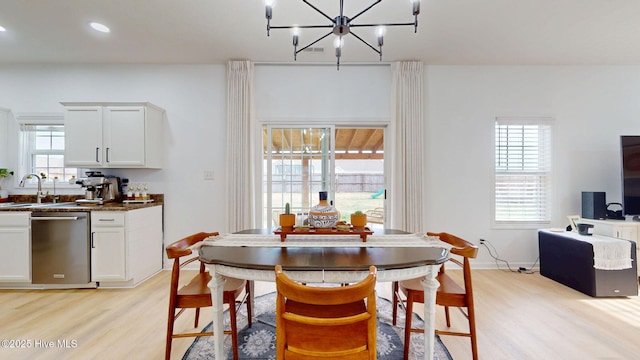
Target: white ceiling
469	32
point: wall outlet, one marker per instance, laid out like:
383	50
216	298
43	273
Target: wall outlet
208	174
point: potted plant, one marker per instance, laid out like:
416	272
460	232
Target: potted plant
4	194
287	220
359	220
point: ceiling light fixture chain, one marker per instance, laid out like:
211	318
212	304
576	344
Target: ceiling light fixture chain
340	26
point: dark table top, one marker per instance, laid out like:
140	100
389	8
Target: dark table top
322	258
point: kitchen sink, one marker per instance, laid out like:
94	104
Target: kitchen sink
17	205
64	204
13	205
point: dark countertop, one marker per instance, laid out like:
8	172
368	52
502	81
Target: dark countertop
71	207
67	204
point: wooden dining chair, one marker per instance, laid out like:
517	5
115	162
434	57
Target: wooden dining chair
196	293
325	322
449	293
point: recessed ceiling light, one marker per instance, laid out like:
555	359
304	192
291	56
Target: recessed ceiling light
2	28
100	27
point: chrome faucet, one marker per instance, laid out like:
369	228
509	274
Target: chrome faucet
39	194
55	196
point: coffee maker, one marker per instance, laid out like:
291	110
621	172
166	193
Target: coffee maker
100	189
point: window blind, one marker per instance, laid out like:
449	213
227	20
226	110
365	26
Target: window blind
522	170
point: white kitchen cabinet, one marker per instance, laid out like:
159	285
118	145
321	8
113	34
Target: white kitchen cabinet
15	242
621	229
113	135
126	246
108	246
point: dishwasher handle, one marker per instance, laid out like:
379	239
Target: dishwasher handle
51	218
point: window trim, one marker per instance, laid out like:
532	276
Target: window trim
29	119
523	224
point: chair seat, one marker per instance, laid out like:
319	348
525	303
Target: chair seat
190	295
447	285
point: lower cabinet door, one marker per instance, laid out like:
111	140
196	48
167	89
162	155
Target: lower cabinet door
15	257
108	254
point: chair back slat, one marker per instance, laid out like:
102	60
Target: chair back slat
324	295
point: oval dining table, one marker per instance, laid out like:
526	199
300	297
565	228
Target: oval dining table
319	261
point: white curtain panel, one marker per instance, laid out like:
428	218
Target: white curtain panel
240	146
407	159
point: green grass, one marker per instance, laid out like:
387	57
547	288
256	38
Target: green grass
348	203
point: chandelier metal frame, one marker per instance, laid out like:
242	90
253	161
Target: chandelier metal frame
340	25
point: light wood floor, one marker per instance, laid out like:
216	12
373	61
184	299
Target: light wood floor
520	316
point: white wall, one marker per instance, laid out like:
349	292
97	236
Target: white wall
592	107
317	93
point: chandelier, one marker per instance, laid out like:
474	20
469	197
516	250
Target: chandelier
340	25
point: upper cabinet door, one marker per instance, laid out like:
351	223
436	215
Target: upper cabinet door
114	135
83	136
124	136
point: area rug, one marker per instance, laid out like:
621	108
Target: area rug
259	341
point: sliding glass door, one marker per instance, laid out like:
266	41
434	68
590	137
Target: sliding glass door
298	164
346	162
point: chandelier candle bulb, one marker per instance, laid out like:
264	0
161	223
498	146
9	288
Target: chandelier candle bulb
268	13
416	7
296	31
416	12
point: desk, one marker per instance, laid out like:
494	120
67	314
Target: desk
324	264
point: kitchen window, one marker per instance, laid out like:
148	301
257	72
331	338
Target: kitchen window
522	182
42	149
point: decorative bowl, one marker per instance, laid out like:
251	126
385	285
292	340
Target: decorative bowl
323	220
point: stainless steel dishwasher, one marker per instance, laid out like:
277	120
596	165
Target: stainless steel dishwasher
60	251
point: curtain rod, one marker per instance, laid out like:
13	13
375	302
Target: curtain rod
320	63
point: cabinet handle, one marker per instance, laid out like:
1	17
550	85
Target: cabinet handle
97	154
55	218
93	246
107	154
106	219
